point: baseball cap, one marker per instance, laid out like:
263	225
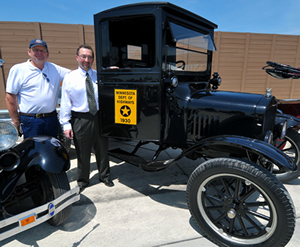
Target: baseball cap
36	42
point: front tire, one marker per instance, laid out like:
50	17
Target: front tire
60	185
237	203
49	187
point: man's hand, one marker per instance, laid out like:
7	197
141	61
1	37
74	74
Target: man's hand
19	128
69	134
12	106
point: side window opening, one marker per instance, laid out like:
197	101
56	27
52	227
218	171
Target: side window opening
130	41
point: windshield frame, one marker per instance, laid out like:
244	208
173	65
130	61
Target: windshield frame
180	32
179	35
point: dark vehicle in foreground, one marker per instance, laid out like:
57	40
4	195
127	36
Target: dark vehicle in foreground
155	86
34	186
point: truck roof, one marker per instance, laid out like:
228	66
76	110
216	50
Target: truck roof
168	7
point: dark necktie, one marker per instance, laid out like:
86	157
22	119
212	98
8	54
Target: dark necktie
90	94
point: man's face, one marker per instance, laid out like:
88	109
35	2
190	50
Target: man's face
38	54
85	59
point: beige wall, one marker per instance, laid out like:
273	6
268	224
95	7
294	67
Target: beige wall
62	41
241	56
239	59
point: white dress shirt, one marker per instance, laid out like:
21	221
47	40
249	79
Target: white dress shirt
73	95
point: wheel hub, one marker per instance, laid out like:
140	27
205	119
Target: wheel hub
231	213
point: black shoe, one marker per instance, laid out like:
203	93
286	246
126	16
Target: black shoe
108	182
82	187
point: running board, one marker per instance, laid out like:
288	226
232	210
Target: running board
136	160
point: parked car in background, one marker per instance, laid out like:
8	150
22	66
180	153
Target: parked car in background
34	186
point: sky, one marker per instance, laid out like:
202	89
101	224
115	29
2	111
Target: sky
254	16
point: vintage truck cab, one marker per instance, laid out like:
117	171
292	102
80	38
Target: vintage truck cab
154	65
164	91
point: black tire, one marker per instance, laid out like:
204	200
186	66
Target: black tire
50	186
290	145
60	185
237	203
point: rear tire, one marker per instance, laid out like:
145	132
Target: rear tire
237	203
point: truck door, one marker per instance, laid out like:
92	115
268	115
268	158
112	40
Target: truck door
128	77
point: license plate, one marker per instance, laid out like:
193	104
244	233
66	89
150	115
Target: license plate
27	220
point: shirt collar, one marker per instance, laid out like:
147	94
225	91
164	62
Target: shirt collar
83	72
32	67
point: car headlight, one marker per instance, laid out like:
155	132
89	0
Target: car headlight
8	135
9	161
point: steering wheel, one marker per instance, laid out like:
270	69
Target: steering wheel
182	65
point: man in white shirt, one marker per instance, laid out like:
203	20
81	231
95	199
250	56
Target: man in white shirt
32	88
80	118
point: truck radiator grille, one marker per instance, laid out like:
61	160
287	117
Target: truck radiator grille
199	125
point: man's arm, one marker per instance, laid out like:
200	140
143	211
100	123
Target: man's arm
12	106
65	110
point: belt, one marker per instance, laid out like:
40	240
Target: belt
85	115
38	115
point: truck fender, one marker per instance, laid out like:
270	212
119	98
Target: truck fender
238	144
291	120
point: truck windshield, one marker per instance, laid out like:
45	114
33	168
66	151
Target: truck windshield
187	49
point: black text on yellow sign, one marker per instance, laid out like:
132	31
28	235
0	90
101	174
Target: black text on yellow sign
125	106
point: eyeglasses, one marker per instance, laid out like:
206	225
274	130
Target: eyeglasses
83	57
38	50
45	77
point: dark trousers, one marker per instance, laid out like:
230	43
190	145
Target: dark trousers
86	129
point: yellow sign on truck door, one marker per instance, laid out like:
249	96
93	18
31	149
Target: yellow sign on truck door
125	106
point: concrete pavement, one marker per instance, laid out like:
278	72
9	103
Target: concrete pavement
142	209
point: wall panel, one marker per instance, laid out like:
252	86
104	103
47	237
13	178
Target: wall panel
239	59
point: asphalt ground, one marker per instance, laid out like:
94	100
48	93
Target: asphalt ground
143	209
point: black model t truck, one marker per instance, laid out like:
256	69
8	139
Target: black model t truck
155	86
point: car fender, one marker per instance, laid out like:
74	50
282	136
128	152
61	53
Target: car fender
291	120
44	151
218	145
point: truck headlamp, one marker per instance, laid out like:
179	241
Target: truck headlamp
283	129
215	81
269	137
174	82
